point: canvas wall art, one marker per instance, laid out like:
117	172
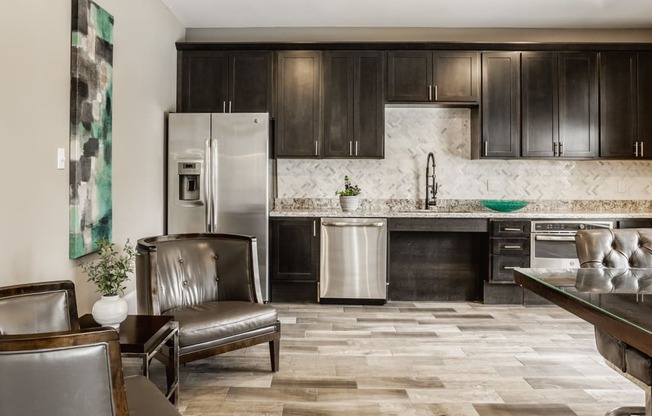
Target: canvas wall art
91	107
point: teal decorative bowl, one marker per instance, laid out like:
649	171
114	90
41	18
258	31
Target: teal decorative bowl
503	205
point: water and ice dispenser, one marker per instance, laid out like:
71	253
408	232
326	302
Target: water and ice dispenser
189	180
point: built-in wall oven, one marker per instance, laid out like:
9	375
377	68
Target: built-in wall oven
552	242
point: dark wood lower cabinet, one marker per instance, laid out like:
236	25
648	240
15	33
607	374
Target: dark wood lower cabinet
294	259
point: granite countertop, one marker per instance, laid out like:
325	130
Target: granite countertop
449	214
463	209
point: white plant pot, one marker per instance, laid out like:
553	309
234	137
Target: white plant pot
349	203
110	311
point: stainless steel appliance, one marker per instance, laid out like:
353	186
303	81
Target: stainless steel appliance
219	177
353	265
552	243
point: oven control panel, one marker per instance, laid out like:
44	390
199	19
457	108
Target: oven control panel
568	227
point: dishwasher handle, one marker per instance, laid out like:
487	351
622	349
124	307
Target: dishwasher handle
351	224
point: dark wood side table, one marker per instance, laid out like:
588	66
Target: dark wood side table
143	336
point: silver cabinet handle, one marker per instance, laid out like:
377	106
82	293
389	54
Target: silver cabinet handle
553	238
314	228
512	247
429	92
436	95
512	229
316	148
510	267
352	224
486	147
224	106
635	149
642	155
230	107
350	148
356	147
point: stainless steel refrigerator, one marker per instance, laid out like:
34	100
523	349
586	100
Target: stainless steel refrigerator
220	177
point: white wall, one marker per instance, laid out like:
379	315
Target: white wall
34	122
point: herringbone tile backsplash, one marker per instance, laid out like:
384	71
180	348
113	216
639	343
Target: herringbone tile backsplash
410	133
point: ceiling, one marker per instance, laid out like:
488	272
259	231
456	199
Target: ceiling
599	14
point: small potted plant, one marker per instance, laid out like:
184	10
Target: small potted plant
349	196
109	273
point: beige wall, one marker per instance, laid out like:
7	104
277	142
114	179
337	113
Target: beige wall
34	115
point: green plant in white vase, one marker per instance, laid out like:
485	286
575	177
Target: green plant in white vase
349	196
109	273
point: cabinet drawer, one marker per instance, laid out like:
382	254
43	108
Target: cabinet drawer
510	228
501	267
511	246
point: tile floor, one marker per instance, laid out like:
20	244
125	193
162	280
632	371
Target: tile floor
413	358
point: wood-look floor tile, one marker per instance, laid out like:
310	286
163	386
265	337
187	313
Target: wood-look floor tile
362	396
271	394
425	409
331	409
399	383
498	409
321	382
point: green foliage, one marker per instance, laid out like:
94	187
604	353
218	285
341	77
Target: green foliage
110	271
349	190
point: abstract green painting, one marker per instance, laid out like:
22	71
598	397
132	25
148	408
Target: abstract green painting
91	108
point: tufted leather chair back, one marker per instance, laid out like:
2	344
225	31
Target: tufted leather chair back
190	269
620	248
38	307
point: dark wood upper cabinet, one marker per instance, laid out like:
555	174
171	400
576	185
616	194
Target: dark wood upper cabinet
559	104
625	105
354	104
578	104
250	82
500	104
298	109
441	76
645	104
203	82
219	81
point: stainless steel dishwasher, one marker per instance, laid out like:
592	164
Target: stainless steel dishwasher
353	265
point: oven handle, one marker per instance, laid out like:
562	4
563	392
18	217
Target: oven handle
553	238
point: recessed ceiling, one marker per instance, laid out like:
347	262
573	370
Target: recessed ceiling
413	13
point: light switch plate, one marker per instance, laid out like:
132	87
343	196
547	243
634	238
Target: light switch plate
61	158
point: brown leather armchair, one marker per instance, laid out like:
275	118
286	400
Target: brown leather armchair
73	373
38	307
209	283
619	249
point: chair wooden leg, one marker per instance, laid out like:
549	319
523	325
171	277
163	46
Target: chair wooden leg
274	349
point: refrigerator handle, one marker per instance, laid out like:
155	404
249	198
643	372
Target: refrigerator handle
214	170
208	175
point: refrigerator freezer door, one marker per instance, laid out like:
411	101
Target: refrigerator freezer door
187	172
242	179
